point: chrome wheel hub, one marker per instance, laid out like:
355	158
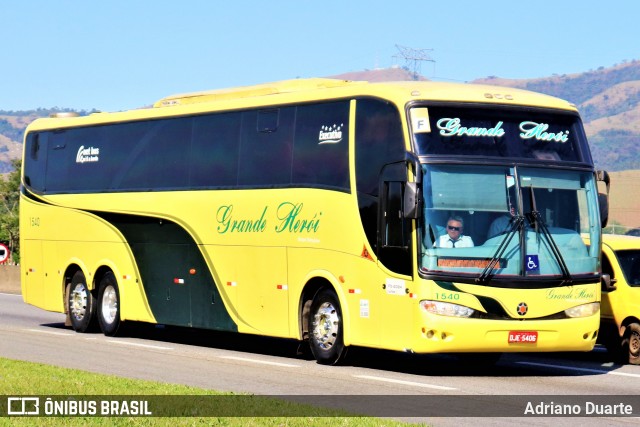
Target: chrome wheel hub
109	307
326	324
78	302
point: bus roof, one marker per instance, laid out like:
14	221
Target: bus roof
316	89
416	89
274	88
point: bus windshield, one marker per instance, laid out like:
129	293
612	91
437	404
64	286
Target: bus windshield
492	222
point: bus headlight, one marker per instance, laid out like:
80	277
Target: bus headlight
584	310
446	308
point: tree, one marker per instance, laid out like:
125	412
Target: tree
9	213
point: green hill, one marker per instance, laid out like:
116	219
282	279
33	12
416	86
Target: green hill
609	102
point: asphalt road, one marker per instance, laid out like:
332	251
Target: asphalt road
232	362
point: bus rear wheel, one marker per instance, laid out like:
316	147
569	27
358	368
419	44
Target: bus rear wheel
109	305
631	343
81	304
326	328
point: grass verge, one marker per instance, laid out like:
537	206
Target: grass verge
19	378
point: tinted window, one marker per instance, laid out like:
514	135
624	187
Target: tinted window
379	141
321	151
35	160
268	120
215	150
155	154
73	160
127	156
253	148
266	148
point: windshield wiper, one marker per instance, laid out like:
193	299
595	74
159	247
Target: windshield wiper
517	224
536	221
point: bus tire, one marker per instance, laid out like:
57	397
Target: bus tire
326	328
81	304
109	305
631	343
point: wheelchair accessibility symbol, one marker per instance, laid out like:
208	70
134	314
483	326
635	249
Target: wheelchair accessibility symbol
532	263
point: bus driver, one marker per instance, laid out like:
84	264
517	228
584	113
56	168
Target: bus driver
454	237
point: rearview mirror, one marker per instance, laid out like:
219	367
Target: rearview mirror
608	284
603	198
412	208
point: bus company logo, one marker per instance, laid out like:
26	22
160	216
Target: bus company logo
453	127
330	134
522	309
87	155
538	131
571	294
289	217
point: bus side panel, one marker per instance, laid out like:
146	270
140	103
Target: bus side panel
35	290
53	282
375	315
32	275
343	272
55	238
256	279
177	281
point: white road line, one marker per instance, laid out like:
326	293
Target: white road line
402	382
263	362
65	334
133	344
72	334
570	368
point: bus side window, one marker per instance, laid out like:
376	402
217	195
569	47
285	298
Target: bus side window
395	230
266	147
379	142
215	150
35	162
321	148
35	146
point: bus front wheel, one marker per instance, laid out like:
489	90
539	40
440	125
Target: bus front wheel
81	304
326	328
109	305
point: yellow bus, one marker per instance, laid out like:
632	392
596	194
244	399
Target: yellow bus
324	211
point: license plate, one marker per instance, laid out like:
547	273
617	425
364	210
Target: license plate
527	337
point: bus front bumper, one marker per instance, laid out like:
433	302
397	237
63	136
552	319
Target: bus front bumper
452	334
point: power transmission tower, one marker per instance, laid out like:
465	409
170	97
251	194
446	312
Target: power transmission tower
413	58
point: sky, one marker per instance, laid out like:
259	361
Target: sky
122	54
